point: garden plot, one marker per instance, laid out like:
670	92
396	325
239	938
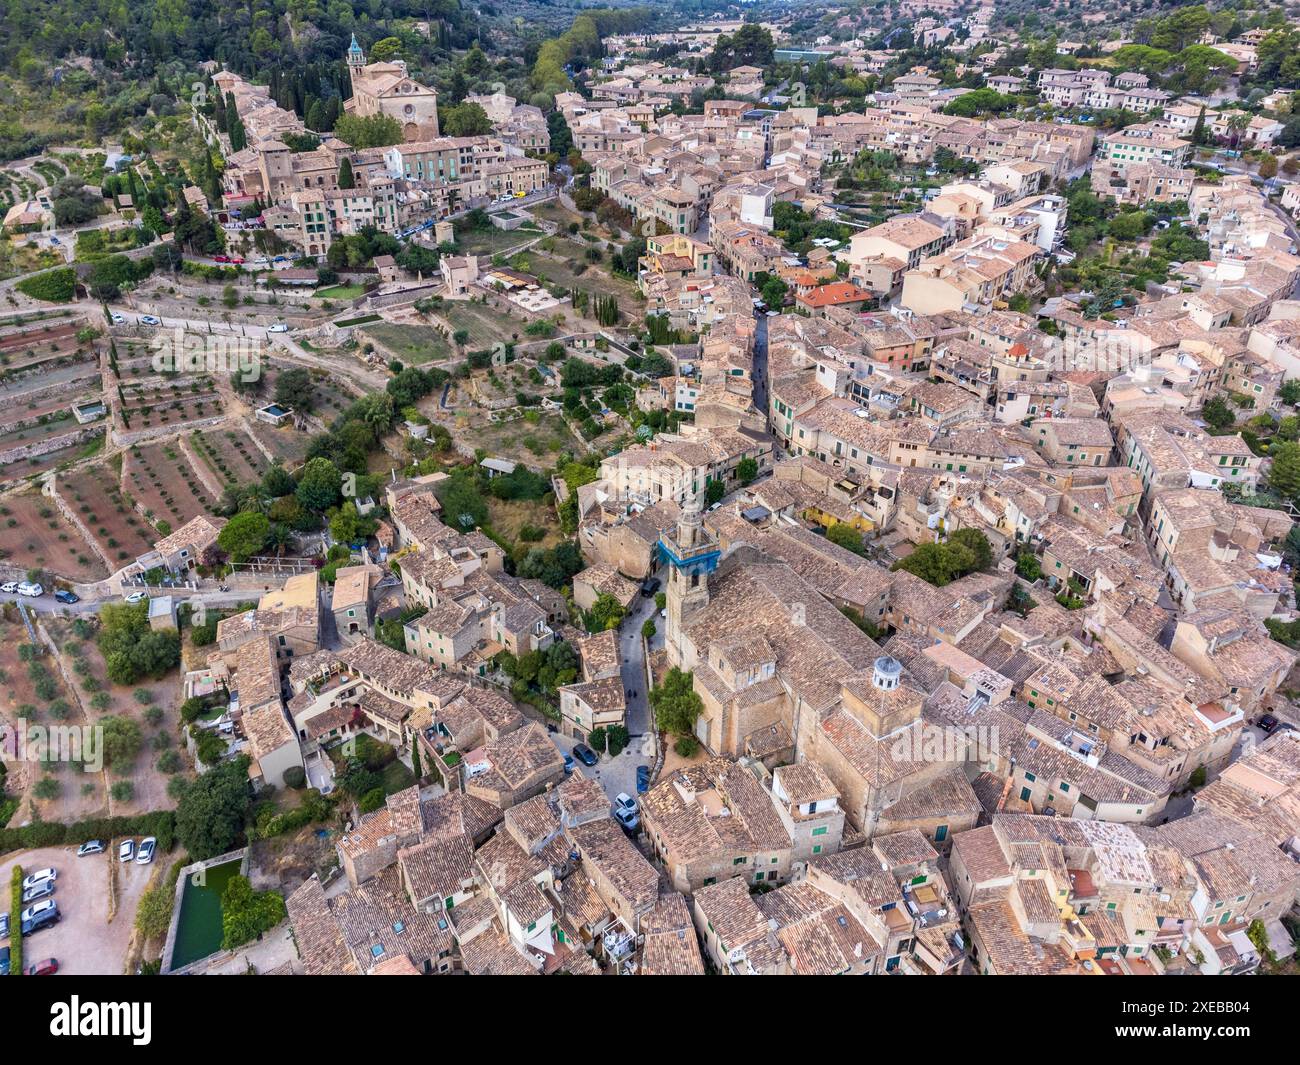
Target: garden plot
54	423
329	397
288	445
412	344
485	325
231	455
35	535
559	261
93	494
490	240
534	439
173	401
160	479
34	692
37	465
44	348
150	704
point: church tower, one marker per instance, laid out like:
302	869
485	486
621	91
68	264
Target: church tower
356	57
691	556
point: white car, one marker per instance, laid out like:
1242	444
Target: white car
126	850
145	854
31	589
39	877
9	586
117	319
279	327
149	319
135	597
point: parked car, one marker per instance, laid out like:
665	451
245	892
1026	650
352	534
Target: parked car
34	918
221	258
145	854
48	967
91	846
585	754
279	327
31	589
625	812
117	319
134	597
126	850
4	925
1268	723
65	596
9	586
649	586
149	319
4	961
568	764
39	877
43	890
642	779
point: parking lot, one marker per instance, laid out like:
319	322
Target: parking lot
83	942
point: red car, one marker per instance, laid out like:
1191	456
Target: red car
48	967
221	258
236	260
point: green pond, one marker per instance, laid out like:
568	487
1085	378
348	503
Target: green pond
198	933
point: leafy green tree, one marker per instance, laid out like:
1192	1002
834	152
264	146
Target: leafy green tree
320	486
1284	472
350	526
130	648
245	535
847	537
1217	413
605	613
213	808
121	739
372	131
977	543
246	914
464	120
676	704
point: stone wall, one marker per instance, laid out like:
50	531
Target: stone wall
52	492
51	443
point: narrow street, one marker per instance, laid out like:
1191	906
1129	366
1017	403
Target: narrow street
619	774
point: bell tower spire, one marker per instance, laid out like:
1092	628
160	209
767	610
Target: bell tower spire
692	555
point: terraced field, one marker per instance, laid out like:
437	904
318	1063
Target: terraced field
160	479
93	493
34	534
229	453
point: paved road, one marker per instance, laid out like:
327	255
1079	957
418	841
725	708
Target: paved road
47	604
618	775
760	363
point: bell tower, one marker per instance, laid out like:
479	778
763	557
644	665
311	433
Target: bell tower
356	57
691	556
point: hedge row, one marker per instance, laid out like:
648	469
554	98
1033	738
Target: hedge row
53	286
161	824
15	923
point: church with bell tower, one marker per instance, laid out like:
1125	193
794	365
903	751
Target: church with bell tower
387	89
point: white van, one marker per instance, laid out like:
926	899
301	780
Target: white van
28	588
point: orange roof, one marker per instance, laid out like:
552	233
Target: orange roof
830	295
